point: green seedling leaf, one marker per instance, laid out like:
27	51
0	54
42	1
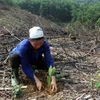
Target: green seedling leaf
91	82
97	85
16	92
48	80
58	76
98	75
50	73
51	70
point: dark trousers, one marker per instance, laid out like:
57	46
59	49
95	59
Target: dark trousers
15	62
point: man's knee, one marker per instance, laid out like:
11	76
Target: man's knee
14	60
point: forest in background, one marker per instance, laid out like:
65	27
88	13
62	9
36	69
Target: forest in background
76	55
87	12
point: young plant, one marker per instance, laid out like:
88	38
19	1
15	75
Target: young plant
91	82
58	76
16	92
51	71
97	85
95	82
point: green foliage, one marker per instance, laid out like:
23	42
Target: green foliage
91	82
95	82
16	92
98	22
17	2
85	11
58	76
48	80
51	71
51	9
7	2
97	85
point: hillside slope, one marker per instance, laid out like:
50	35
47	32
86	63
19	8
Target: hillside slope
14	26
77	57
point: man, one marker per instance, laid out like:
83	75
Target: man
30	52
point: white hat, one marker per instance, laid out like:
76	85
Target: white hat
36	33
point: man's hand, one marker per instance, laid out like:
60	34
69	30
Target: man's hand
38	83
53	86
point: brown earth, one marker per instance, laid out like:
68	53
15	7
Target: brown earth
76	55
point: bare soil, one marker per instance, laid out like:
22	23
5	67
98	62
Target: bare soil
76	54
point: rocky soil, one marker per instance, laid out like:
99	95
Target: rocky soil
76	55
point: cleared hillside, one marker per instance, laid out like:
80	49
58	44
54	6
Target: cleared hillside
14	26
77	56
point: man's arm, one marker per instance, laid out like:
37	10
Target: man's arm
49	62
27	69
47	56
26	66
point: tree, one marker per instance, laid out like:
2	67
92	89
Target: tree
7	2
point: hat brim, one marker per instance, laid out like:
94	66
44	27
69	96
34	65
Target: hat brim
35	39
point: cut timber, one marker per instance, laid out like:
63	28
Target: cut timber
3	80
9	88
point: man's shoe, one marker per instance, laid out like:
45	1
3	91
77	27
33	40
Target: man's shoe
14	77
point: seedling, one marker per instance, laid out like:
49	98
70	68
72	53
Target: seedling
58	76
51	71
16	92
95	83
91	82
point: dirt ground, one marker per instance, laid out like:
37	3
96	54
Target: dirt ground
76	55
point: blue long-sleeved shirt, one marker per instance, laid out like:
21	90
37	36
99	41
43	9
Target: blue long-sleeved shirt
27	56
